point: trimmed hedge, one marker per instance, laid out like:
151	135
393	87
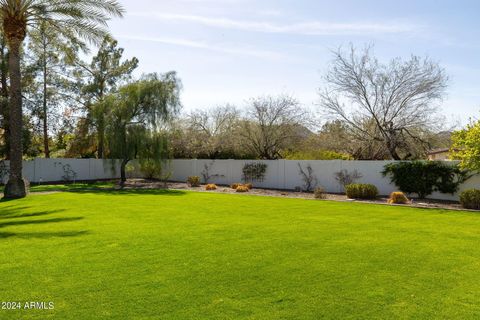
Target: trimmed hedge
361	191
470	199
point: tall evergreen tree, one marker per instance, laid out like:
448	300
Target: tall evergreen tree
106	72
51	56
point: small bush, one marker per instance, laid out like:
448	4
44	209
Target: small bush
193	181
249	186
470	199
398	198
319	193
210	187
235	185
361	191
242	188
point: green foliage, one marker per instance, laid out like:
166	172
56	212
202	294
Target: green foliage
316	155
361	191
425	177
254	171
134	118
470	199
193	181
106	72
466	146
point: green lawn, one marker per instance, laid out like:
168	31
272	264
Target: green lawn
186	255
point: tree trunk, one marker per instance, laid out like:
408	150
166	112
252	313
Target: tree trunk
4	102
392	149
123	175
101	137
45	111
15	187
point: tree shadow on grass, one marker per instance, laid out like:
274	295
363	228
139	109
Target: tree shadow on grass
42	235
42	221
9	217
128	192
15	213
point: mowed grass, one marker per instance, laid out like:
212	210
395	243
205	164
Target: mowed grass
185	255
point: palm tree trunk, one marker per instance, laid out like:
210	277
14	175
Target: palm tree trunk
4	97
15	187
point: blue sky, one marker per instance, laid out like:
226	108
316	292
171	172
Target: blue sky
231	50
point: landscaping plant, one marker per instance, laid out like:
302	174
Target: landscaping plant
470	199
193	181
210	187
361	191
242	188
249	186
425	177
344	177
319	193
234	186
398	197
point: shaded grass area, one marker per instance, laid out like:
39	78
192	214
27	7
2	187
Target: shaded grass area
183	255
92	186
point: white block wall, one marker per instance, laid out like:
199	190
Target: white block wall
52	170
284	174
281	174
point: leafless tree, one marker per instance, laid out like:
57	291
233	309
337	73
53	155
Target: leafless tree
390	103
214	130
271	124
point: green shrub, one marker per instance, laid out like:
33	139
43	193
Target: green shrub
361	191
425	177
151	169
319	193
470	199
193	181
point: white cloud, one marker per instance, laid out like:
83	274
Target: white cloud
207	46
305	28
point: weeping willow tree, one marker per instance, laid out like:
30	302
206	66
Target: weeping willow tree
136	113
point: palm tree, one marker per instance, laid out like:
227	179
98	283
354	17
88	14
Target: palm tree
85	19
